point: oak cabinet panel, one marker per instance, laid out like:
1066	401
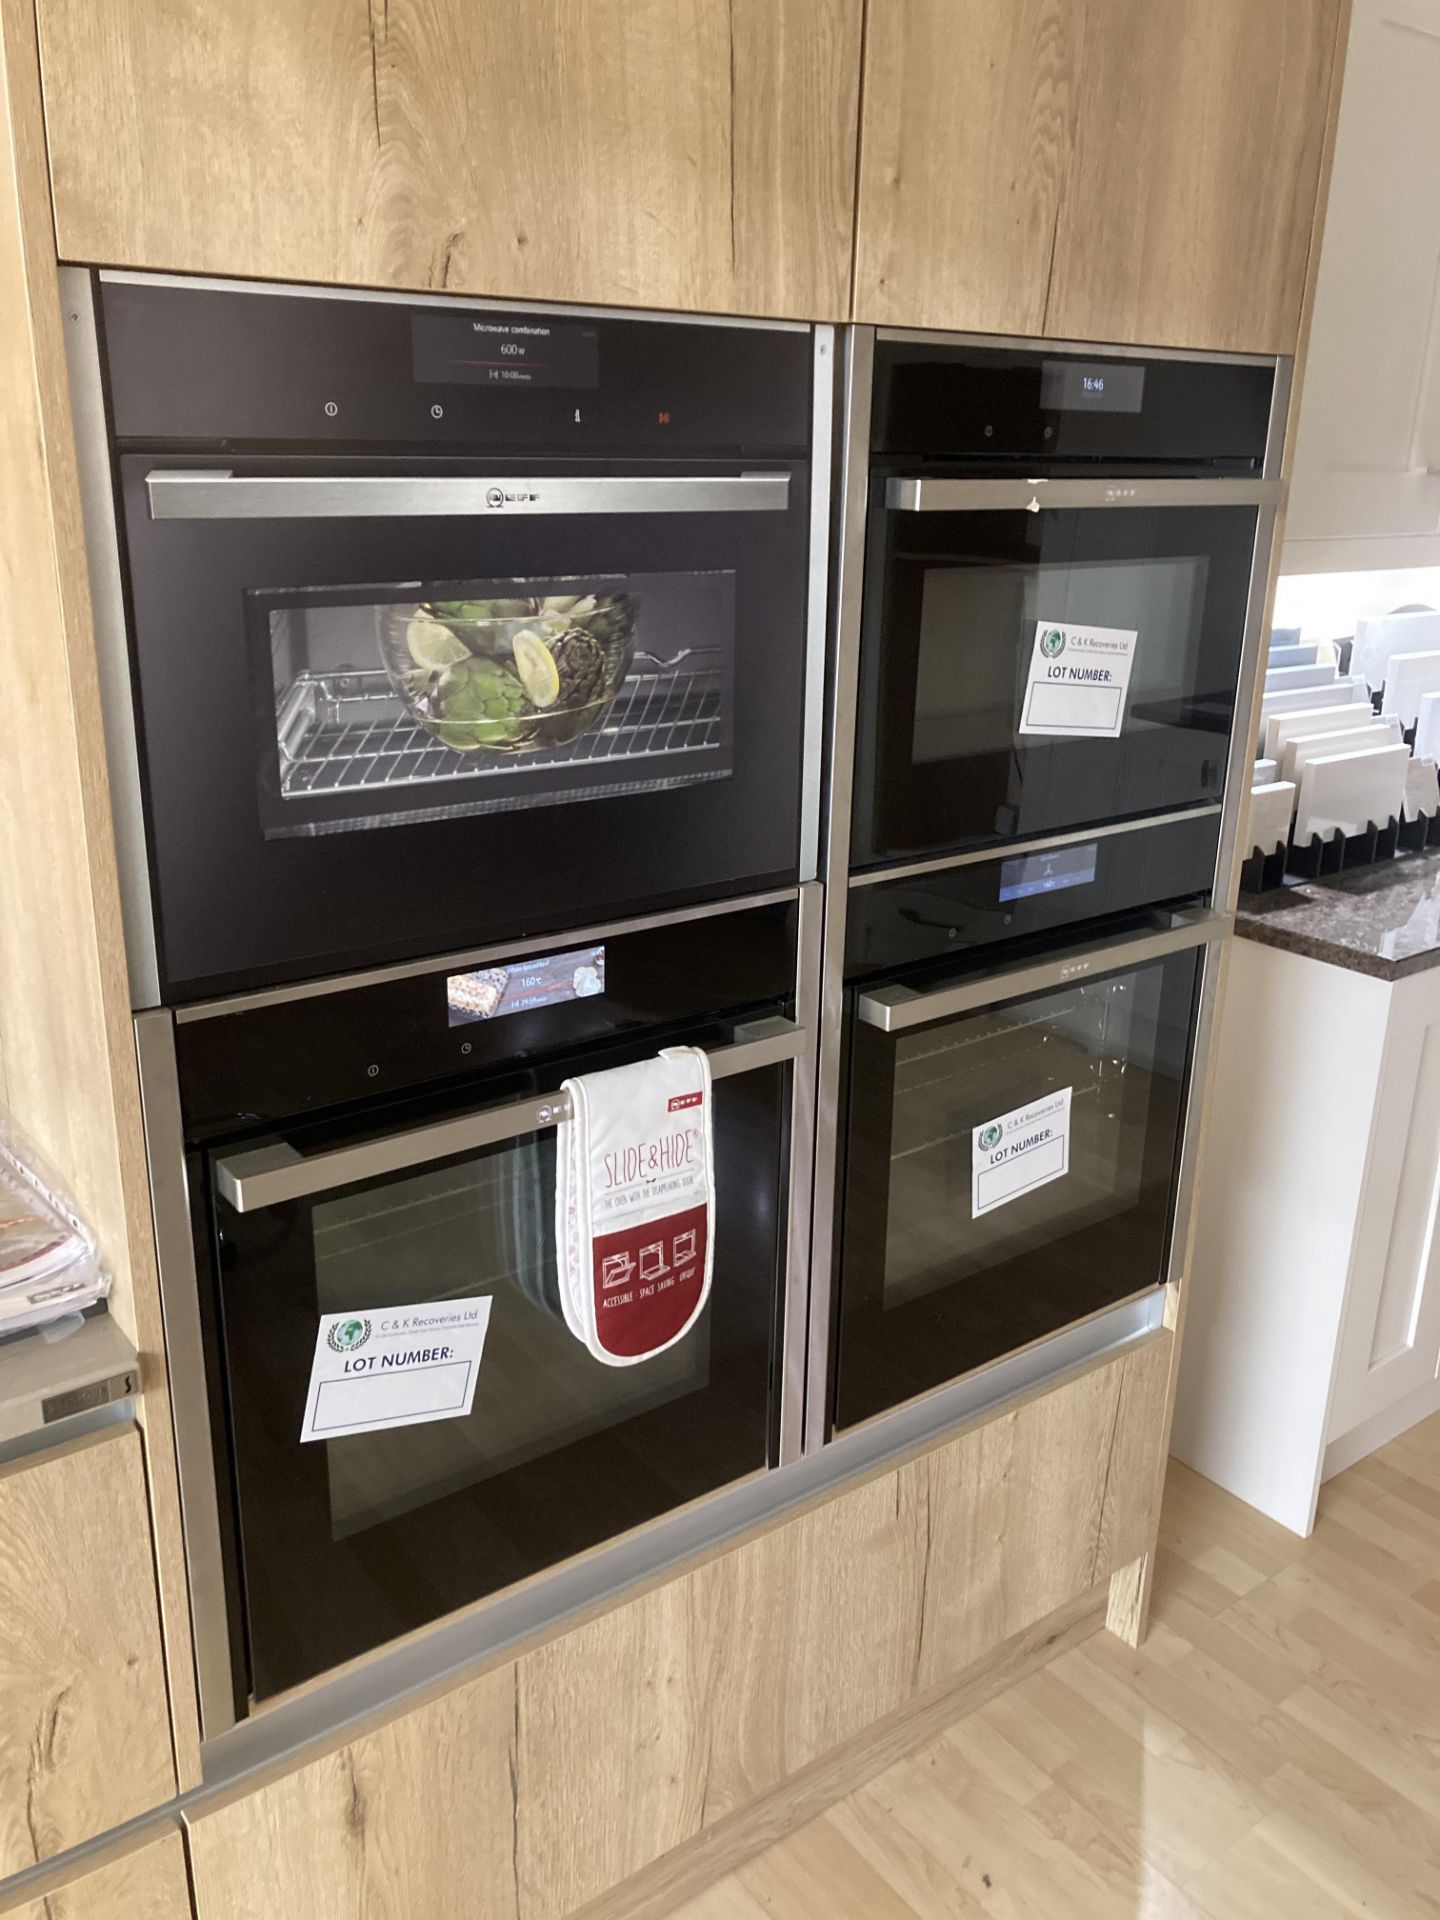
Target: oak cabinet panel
84	1728
549	1781
1139	171
142	1879
694	154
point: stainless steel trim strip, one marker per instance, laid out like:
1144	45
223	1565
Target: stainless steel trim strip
112	650
207	283
452	1646
913	869
1085	349
185	1366
800	1186
892	1009
1188	1169
207	493
1250	676
1040	496
1280	397
267	1176
852	488
816	600
474	957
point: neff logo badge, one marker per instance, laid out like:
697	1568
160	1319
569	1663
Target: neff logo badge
348	1335
990	1136
497	497
1053	644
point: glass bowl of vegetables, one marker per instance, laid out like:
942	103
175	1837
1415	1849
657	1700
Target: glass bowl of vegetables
509	675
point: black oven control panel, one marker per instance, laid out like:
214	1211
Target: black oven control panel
1027	891
506	1013
249	367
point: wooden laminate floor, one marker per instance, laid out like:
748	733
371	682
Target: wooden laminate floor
1272	1751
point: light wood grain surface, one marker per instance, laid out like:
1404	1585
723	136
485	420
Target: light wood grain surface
65	1031
696	154
1268	1755
635	1735
84	1739
143	1878
1112	170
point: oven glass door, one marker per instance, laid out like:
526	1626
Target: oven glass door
982	718
1010	1168
382	716
345	1543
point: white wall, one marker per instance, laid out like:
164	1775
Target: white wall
1326	606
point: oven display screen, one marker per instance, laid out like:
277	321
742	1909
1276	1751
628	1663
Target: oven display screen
489	350
547	981
1075	386
1046	872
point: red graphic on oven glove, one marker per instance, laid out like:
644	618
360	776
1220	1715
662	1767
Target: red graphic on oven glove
647	1281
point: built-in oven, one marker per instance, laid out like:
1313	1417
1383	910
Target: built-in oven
1060	550
429	623
1051	564
380	1153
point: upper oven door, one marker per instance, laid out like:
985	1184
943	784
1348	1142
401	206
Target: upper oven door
389	708
1038	656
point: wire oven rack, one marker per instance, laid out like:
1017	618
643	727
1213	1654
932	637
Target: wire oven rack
341	731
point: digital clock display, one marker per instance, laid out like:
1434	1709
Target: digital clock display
504	350
1078	386
1036	873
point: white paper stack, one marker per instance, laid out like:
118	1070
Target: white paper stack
48	1263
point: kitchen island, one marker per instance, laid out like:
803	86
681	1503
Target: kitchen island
1314	1324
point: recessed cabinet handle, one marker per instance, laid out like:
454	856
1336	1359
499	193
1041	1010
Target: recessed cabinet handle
892	1009
210	493
267	1176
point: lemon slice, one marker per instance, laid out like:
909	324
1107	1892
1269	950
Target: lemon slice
536	667
433	645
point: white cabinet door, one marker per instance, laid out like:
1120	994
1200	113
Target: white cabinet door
1390	1345
1366	483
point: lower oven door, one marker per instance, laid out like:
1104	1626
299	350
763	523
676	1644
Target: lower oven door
1012	1156
345	1543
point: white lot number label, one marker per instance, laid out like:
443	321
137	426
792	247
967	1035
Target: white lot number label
394	1367
1020	1151
1079	677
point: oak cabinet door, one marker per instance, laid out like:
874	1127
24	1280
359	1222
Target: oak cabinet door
693	154
84	1728
1139	171
141	1878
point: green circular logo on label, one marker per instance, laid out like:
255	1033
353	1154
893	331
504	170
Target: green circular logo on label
1052	643
348	1335
990	1136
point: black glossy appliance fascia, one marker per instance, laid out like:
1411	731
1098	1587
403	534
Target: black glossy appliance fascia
427	623
355	1146
1023	930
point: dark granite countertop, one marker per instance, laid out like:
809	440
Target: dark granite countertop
1382	920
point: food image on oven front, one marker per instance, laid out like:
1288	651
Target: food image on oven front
475	996
510	674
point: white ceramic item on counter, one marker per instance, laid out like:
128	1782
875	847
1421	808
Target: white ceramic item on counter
1410	676
1294	656
1422	789
1296	678
1427	728
1379	635
1291	722
1349	791
1314	746
1272	807
1265	772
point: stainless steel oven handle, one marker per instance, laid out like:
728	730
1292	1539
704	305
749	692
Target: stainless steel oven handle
269	1175
892	1009
1037	496
209	493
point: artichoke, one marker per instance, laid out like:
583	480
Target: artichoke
477	704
